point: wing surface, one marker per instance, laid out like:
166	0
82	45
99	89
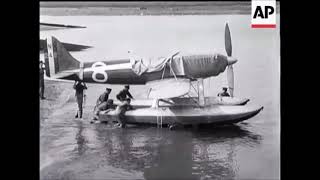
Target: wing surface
168	88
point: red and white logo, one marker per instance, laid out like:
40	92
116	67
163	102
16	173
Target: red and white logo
263	14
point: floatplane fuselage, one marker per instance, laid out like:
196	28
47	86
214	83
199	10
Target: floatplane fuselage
61	65
120	72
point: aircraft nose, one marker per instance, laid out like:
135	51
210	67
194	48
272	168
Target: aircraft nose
231	60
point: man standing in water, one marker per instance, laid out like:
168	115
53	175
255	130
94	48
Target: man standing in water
121	110
41	76
79	87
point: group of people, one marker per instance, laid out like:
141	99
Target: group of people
105	104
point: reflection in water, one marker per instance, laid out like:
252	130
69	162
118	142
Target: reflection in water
119	148
97	151
80	140
228	132
161	153
100	151
210	146
174	159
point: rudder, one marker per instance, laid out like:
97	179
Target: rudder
57	58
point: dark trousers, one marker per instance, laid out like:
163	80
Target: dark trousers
122	118
121	115
79	102
41	87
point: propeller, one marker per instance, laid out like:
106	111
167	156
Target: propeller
228	47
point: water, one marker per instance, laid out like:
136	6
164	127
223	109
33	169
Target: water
251	150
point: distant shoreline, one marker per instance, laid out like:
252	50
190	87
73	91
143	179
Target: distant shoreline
142	3
144	8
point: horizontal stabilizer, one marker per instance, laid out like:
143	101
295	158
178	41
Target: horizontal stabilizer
68	46
64	75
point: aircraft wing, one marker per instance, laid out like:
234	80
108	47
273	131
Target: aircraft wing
52	26
168	88
60	25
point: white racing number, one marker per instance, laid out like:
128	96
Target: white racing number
99	68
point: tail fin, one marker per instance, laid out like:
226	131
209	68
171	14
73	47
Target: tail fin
57	58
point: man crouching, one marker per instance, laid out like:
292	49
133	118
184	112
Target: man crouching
105	106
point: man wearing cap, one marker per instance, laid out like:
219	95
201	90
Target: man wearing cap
224	93
101	103
41	76
122	96
103	97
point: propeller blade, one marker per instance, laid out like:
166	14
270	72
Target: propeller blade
230	77
227	40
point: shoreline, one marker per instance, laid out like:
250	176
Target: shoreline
144	8
56	95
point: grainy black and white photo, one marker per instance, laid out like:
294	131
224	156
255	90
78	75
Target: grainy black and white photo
158	90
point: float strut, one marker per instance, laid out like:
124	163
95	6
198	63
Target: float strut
201	92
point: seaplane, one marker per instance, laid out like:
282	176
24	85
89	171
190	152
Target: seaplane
170	81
